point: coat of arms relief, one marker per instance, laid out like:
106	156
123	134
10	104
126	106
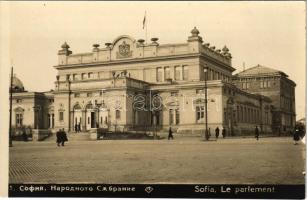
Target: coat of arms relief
124	51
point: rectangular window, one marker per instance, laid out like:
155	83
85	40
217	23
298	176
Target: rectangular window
225	115
117	114
266	118
89	94
177	116
19	119
214	75
90	75
243	85
238	114
247	85
241	114
200	113
171	117
74	76
265	84
48	120
261	84
61	116
83	76
185	73
177	73
18	100
77	94
167	74
159	74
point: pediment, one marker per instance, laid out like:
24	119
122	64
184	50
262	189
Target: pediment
19	109
199	101
123	47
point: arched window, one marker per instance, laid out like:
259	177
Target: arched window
117	114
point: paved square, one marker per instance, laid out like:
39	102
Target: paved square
183	160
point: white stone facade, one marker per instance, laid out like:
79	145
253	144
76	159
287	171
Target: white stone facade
130	85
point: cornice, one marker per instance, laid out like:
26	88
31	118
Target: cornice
134	60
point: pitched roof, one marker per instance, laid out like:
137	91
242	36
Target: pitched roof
260	70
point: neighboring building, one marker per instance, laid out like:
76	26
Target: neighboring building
278	87
130	85
34	109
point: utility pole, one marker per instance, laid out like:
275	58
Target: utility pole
11	99
206	104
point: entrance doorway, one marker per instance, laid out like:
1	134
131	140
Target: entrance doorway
93	120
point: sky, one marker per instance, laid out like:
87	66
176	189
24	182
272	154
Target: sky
267	33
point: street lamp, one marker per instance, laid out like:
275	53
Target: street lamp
206	105
11	100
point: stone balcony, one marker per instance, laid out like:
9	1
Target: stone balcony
97	84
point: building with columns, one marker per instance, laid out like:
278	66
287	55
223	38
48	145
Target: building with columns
133	85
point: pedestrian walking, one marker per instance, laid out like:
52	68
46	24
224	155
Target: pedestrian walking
257	133
170	134
63	137
217	132
58	137
224	132
76	128
296	136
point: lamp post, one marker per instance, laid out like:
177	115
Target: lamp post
206	105
11	100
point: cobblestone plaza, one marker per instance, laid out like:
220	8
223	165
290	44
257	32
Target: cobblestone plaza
183	160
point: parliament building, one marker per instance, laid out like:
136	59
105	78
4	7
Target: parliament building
131	85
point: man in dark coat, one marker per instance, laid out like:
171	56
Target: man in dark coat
296	135
76	128
170	133
217	132
257	133
63	137
58	137
224	132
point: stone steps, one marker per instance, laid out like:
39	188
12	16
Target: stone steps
82	136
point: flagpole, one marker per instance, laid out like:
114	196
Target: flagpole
145	26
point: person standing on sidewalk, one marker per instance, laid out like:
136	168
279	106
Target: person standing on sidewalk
58	137
170	133
257	133
217	132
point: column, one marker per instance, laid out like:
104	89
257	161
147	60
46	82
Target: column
72	121
172	72
174	116
181	72
52	120
83	122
